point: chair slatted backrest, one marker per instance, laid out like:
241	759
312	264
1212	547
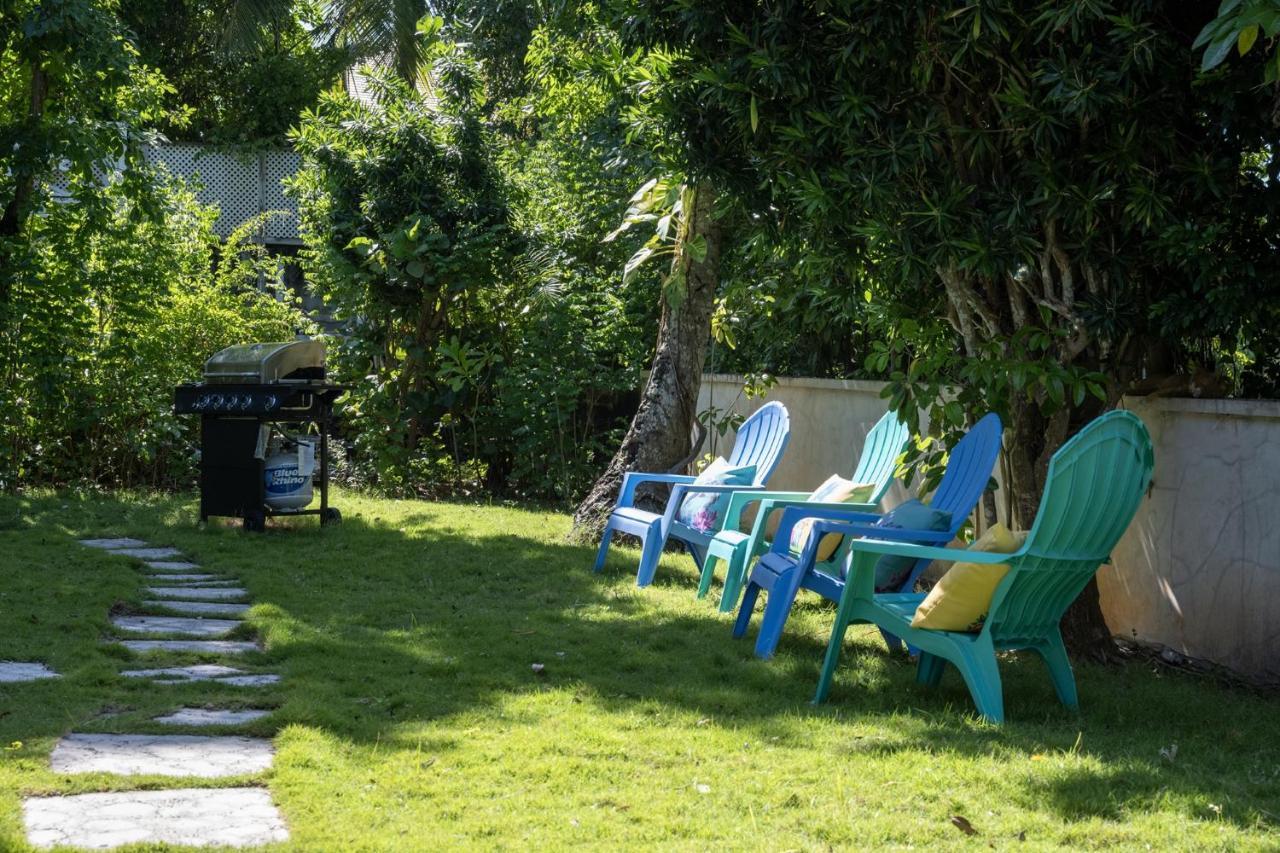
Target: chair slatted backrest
761	439
1095	484
880	453
969	467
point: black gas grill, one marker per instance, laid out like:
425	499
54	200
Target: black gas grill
258	404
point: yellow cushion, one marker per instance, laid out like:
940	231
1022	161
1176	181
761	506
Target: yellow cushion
961	599
835	490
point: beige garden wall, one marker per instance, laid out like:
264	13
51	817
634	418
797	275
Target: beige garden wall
1198	570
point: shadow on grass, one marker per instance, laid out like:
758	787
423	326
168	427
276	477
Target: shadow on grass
427	614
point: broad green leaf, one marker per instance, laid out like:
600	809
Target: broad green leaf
1248	36
755	113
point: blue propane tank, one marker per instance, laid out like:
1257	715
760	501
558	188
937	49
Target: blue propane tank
288	475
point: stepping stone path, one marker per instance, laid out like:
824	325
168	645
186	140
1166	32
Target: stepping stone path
197	593
199	647
231	817
182	577
203	672
185	625
161	755
205	608
11	671
170	565
208	717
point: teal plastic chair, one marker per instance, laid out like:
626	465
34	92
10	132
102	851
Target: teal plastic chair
736	549
1095	483
760	441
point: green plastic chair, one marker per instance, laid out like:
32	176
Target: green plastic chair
1095	483
885	443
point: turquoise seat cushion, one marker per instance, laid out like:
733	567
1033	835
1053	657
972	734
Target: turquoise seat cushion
892	570
703	511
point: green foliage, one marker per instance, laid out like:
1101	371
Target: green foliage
1030	197
1238	25
111	316
485	333
234	88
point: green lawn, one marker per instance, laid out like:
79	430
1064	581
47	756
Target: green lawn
410	716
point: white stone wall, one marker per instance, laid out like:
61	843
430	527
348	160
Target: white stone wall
1199	568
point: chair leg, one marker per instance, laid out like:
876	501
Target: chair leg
1064	681
734	577
929	670
894	644
832	659
977	664
708	573
745	610
777	608
649	556
603	551
697	552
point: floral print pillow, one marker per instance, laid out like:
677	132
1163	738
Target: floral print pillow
703	511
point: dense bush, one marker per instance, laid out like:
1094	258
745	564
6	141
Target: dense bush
107	320
484	336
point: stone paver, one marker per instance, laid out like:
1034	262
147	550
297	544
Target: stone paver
210	717
12	671
163	755
234	817
197	593
204	672
198	672
210	647
204	608
182	577
184	625
171	565
148	553
113	544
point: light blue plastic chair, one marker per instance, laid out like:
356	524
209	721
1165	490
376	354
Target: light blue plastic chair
783	574
1095	484
760	441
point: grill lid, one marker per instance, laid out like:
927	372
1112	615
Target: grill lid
282	361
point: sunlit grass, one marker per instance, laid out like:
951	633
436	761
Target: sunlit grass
410	715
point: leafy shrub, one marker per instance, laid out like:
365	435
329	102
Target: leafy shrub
109	317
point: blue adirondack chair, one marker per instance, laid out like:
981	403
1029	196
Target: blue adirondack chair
1095	483
884	444
784	574
759	442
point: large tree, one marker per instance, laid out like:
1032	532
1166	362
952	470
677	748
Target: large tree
1041	202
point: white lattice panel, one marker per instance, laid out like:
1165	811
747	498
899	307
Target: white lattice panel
240	186
277	166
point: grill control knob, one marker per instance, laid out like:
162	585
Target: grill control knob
246	401
270	402
215	401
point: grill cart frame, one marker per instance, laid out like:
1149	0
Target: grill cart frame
248	392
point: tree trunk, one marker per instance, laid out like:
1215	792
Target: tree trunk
14	216
660	431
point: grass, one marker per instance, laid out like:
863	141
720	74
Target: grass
410	716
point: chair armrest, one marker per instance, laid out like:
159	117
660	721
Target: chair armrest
795	513
632	479
865	553
771	501
883	534
741	500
